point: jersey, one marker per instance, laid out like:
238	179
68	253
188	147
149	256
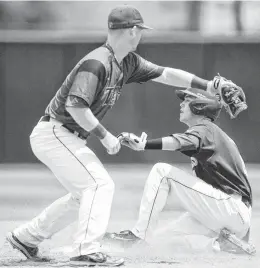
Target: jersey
96	82
216	160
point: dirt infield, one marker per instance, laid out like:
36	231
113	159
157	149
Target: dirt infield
176	253
25	191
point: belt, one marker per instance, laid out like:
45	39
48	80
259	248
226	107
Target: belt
47	118
246	201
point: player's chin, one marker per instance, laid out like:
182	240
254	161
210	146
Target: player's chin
181	117
133	48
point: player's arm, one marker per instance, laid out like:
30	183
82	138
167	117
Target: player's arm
143	71
90	75
84	117
180	78
174	142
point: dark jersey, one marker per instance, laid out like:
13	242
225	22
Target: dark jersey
216	160
96	82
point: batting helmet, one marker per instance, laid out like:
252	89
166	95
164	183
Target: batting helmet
204	103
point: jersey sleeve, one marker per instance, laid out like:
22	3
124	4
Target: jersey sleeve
76	102
192	139
90	76
141	70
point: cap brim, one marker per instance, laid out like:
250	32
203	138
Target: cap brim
143	26
181	93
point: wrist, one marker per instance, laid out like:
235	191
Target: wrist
99	131
200	83
155	144
107	140
106	137
209	86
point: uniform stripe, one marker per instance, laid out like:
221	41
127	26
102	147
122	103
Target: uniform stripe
95	67
53	129
88	219
221	199
153	207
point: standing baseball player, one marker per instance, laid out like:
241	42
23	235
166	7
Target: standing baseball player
59	139
217	198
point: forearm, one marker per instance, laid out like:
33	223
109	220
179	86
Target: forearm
85	118
180	78
200	83
166	143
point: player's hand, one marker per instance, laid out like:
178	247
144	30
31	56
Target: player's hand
231	96
132	141
111	143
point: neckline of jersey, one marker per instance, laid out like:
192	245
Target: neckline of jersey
114	56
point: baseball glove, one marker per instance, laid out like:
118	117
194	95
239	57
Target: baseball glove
231	96
132	141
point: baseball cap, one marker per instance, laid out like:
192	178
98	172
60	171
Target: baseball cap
125	16
194	92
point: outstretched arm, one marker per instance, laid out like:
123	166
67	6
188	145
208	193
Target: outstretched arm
174	142
142	71
180	78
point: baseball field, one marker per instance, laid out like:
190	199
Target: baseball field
26	189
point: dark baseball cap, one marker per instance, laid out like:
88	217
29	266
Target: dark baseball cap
194	92
125	16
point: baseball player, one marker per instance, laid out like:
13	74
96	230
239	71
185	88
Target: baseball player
217	198
59	139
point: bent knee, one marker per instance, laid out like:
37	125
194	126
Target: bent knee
109	185
162	169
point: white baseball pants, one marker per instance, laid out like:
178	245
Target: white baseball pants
208	210
89	185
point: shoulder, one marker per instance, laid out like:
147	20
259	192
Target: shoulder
131	58
95	62
202	130
100	54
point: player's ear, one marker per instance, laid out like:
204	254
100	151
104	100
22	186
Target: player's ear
132	31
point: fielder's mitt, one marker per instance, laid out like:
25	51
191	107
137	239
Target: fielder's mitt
132	141
232	96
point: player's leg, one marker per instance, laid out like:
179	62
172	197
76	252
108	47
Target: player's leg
226	215
51	220
180	231
95	189
211	207
185	224
82	174
155	196
28	236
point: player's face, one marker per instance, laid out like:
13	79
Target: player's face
185	112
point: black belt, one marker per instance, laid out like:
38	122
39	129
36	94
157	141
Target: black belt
246	201
46	118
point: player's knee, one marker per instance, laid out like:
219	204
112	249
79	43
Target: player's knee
162	169
175	170
110	185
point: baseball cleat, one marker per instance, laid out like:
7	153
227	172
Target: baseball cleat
96	259
126	235
125	239
235	245
29	252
